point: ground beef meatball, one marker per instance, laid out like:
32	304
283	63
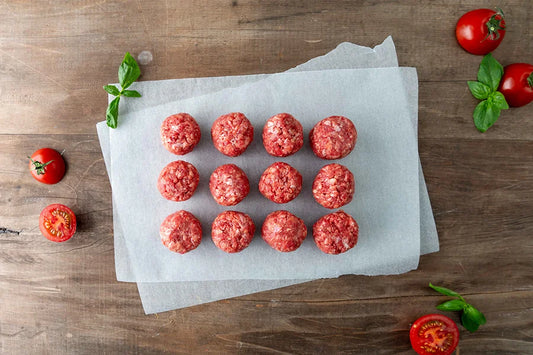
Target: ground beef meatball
178	181
181	232
283	231
280	183
232	134
333	137
180	133
283	135
232	231
335	233
229	185
333	186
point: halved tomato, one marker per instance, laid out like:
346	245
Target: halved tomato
57	222
434	334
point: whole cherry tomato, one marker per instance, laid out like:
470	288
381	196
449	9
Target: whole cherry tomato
517	84
47	166
57	222
434	334
480	31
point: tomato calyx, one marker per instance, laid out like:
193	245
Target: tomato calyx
530	80
494	25
38	166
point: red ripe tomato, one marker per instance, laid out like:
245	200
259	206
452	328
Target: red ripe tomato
57	222
480	31
434	334
47	166
517	84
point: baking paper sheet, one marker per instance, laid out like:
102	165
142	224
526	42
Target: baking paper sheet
159	297
385	166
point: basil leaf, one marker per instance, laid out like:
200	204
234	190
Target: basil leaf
111	89
498	100
111	114
490	72
452	305
128	71
472	318
479	90
131	93
485	114
445	291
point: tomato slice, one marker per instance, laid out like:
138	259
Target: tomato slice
57	222
47	166
434	334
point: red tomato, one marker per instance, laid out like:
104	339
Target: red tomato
480	31
434	334
517	84
57	222
47	166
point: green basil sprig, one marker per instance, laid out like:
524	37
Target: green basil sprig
128	72
471	317
485	88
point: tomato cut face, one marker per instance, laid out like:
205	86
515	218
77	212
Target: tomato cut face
57	223
47	166
434	334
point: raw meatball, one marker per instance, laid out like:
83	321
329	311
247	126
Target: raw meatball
229	185
280	183
232	231
181	232
333	137
283	135
232	134
178	181
335	233
180	133
333	186
283	231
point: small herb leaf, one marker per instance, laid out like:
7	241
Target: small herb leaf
452	305
111	114
472	318
479	90
485	115
112	89
498	100
469	323
490	72
131	93
444	291
128	71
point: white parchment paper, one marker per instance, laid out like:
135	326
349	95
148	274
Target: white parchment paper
164	296
385	166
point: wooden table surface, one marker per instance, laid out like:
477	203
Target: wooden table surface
64	298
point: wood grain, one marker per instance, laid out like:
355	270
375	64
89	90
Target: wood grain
64	298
